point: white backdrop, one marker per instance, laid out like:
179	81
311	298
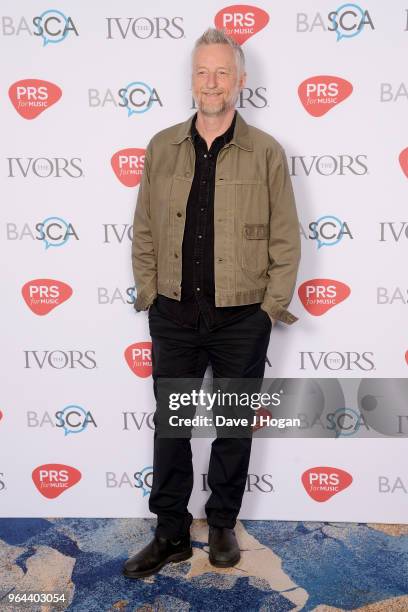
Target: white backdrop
349	163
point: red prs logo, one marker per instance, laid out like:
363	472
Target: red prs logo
319	94
31	97
241	21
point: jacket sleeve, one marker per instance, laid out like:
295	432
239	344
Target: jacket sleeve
144	261
284	242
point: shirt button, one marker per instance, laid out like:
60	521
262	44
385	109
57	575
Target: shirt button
205	155
197	262
202	209
179	214
199	236
198	289
203	182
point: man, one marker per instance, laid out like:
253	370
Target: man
215	254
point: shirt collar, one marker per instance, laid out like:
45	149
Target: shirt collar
227	135
241	137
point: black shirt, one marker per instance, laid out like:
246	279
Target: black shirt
198	284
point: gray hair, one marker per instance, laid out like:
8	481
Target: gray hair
213	36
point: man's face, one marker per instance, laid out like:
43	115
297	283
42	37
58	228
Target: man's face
216	82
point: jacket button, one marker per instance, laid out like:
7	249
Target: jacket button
179	214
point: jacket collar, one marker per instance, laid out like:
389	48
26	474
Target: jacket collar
240	138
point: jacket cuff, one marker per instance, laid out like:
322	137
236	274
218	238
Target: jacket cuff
144	300
278	312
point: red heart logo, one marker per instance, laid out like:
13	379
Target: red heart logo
139	358
128	166
31	97
52	479
322	482
403	160
319	94
318	295
241	21
44	294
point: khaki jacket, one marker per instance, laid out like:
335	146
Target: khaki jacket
256	228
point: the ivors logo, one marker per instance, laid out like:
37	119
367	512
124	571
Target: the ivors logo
31	97
319	94
44	294
241	21
403	160
318	295
322	482
128	166
52	479
139	358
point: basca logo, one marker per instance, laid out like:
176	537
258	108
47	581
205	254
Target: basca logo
45	167
52	26
322	482
136	98
138	420
318	295
328	165
390	92
319	94
139	358
128	166
241	21
394	484
72	419
255	483
336	360
247	98
393	230
113	296
142	480
347	21
44	294
327	230
53	231
394	295
117	233
31	97
59	360
145	27
52	479
403	160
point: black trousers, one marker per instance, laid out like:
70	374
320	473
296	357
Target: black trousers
236	350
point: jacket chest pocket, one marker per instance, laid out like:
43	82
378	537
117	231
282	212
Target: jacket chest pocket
255	256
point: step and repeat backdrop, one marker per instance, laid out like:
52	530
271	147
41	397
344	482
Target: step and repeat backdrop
84	86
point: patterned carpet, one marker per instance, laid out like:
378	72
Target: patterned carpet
324	567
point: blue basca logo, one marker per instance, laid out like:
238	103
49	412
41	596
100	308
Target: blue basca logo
53	26
349	20
74	419
327	230
137	97
142	480
55	232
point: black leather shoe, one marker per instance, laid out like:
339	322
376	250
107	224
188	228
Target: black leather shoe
157	553
224	549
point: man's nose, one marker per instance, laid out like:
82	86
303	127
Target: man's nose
212	79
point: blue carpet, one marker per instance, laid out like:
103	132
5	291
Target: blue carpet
284	566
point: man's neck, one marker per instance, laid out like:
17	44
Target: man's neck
211	127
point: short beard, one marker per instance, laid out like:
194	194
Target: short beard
210	111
